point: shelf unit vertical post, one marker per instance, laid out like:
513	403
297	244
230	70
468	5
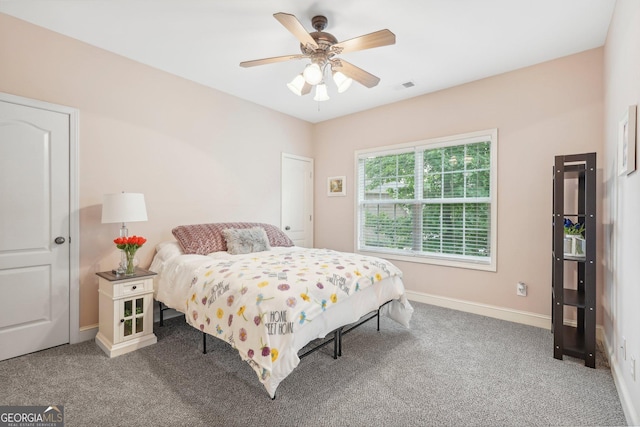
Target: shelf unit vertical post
558	259
590	263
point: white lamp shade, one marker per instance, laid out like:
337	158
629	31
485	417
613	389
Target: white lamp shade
312	74
299	86
342	82
321	93
123	207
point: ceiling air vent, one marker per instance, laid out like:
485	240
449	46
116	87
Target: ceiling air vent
407	85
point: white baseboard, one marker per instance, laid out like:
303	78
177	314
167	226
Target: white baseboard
524	317
631	414
86	333
502	313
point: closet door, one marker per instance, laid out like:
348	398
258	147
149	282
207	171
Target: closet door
297	199
34	229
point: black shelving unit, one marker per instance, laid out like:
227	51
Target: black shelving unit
580	340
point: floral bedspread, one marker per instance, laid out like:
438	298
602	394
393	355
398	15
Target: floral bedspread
256	303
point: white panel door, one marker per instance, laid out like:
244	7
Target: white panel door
297	199
34	229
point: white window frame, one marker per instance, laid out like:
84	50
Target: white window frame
486	264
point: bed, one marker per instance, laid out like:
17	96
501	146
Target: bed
246	284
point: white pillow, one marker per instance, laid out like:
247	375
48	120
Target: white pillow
164	252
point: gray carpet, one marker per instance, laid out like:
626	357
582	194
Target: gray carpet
451	368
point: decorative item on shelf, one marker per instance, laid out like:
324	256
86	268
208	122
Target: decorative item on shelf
574	241
123	207
129	245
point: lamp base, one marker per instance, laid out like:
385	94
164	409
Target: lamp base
122	268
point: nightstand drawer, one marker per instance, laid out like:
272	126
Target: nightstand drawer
132	287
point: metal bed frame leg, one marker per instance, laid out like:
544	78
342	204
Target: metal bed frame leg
344	330
337	343
161	313
204	343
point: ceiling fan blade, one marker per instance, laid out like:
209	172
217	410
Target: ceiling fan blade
357	74
368	41
294	26
272	60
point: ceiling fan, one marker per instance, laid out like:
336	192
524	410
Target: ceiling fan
322	49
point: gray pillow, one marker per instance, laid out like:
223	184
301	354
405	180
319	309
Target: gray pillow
246	240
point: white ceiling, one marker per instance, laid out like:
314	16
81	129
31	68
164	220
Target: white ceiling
439	43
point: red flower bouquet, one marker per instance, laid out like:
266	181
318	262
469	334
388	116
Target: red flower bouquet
130	245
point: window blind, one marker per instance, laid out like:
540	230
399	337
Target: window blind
428	200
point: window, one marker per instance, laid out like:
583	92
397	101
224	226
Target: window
432	201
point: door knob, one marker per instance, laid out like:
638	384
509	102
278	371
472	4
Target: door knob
59	240
287	228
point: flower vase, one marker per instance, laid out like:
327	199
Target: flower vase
131	267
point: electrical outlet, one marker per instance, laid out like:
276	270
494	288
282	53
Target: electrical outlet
521	289
633	368
623	348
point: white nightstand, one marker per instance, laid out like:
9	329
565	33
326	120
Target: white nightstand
126	312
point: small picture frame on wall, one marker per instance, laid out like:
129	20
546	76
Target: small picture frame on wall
337	186
627	142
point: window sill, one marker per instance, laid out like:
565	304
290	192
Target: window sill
420	259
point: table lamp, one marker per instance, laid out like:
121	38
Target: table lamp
123	207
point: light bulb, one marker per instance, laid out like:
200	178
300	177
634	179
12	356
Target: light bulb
312	74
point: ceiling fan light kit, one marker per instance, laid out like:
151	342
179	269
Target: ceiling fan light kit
299	85
312	74
321	93
342	82
321	49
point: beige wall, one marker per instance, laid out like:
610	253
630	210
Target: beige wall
541	111
197	154
185	146
621	205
